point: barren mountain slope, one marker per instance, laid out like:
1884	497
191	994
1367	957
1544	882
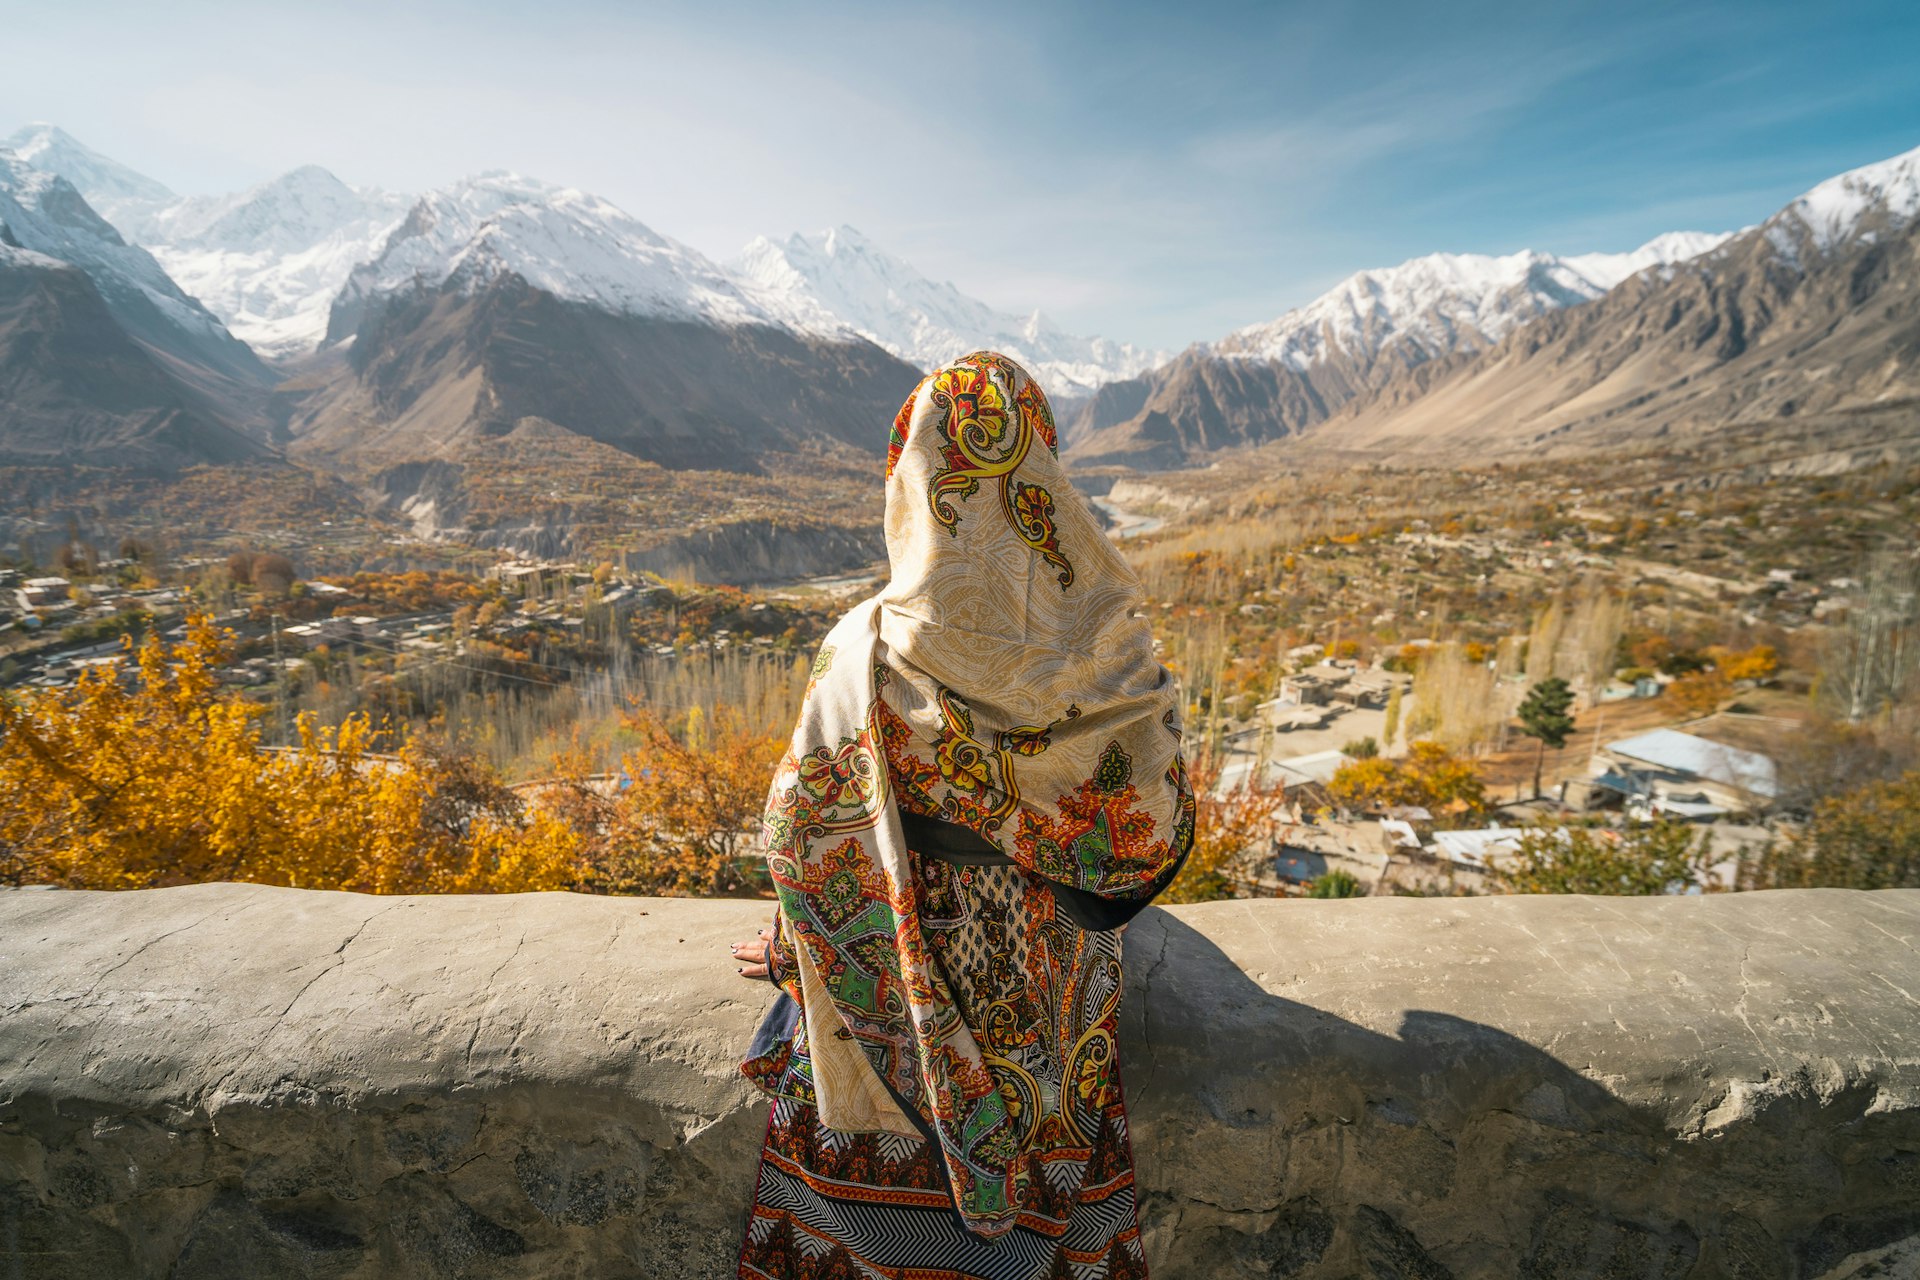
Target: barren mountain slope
76	388
1274	380
433	370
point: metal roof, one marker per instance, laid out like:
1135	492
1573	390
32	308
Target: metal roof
1679	752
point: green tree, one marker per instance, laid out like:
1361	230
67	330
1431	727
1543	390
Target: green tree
1662	856
1335	884
1867	838
1361	749
1543	715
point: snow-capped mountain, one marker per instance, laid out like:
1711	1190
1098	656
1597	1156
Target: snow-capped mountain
505	307
270	261
1448	302
267	261
567	243
45	213
105	363
107	184
924	322
1289	374
1874	200
1809	322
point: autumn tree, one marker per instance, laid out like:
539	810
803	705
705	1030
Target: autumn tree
1543	716
683	815
273	573
162	780
1429	777
1760	663
1700	693
1228	828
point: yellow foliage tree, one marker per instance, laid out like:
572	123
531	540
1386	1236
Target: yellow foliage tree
161	780
1867	838
683	816
1762	662
1429	777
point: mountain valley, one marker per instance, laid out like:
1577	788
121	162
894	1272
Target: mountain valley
408	346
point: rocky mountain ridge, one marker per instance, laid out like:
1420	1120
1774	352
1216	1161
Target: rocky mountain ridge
1816	310
1277	379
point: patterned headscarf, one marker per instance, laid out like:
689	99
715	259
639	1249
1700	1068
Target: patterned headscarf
1004	680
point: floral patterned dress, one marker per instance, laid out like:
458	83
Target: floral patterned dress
985	782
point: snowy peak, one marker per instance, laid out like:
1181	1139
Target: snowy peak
45	213
287	214
1447	302
1874	199
573	245
843	273
269	261
1610	269
103	182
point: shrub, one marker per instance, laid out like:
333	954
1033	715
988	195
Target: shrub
1663	856
1335	884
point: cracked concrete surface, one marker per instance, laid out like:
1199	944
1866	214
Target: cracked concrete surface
233	1080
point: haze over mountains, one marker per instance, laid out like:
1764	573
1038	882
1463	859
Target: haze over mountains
368	328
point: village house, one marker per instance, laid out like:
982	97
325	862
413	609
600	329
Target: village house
42	593
1666	771
1330	682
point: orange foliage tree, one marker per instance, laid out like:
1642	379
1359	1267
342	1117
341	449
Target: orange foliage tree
1701	692
1227	829
682	817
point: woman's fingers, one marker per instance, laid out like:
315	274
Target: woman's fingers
753	954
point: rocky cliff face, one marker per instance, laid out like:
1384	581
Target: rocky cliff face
230	1080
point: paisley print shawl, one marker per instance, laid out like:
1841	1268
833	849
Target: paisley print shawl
1004	680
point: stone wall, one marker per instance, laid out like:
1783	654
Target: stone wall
239	1081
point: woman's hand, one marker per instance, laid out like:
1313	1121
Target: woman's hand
753	955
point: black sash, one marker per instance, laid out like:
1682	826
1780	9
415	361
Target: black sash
962	846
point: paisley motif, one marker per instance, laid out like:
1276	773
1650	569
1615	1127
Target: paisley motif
989	415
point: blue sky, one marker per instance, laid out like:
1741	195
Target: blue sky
1161	174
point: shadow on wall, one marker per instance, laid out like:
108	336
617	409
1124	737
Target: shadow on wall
1276	1139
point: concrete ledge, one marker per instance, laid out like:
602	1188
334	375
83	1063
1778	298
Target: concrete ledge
240	1081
